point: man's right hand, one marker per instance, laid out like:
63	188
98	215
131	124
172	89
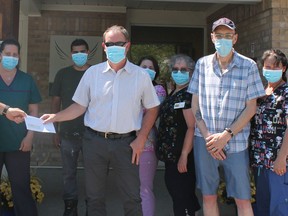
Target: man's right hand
48	118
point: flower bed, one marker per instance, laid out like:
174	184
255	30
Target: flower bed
6	192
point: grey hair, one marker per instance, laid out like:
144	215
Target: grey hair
117	28
187	59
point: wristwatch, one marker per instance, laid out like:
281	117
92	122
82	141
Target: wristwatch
4	112
229	131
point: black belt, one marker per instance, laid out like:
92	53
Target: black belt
111	135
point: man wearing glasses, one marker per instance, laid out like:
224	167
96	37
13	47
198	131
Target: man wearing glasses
225	86
112	95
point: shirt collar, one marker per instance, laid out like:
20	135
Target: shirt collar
127	67
234	63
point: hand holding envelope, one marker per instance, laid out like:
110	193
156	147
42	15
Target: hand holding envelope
36	124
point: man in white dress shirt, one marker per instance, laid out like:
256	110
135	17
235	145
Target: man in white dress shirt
112	95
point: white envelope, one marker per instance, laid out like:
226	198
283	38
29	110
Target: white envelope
36	124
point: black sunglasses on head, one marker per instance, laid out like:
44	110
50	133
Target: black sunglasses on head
119	43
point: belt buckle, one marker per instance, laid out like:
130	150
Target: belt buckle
106	134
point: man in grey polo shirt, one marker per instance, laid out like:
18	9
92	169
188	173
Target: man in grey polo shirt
225	86
112	95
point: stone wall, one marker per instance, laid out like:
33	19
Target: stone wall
40	30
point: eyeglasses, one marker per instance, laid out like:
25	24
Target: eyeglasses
118	43
182	70
228	36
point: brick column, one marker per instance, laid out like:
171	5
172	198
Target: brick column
9	18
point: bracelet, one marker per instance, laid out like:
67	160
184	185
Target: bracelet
4	112
229	131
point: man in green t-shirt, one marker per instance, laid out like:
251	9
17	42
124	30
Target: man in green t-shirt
69	138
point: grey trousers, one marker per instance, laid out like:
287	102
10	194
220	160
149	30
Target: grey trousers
99	154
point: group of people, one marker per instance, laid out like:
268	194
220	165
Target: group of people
218	114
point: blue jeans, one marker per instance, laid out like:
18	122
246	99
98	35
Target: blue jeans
70	150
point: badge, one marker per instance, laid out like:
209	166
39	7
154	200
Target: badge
179	105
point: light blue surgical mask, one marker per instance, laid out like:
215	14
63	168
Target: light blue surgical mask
272	76
151	73
180	77
80	59
223	46
115	54
9	62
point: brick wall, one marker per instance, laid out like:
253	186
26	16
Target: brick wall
260	27
40	30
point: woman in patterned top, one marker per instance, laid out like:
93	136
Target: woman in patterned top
148	161
175	141
269	139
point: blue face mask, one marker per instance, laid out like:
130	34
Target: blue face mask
180	78
151	73
223	46
115	54
80	59
9	62
272	76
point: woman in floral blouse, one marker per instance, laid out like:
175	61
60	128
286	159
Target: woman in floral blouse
269	139
175	140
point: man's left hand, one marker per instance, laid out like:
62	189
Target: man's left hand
137	146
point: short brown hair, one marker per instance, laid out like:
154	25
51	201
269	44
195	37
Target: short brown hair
117	28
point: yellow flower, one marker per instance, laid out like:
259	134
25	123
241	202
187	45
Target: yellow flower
6	192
